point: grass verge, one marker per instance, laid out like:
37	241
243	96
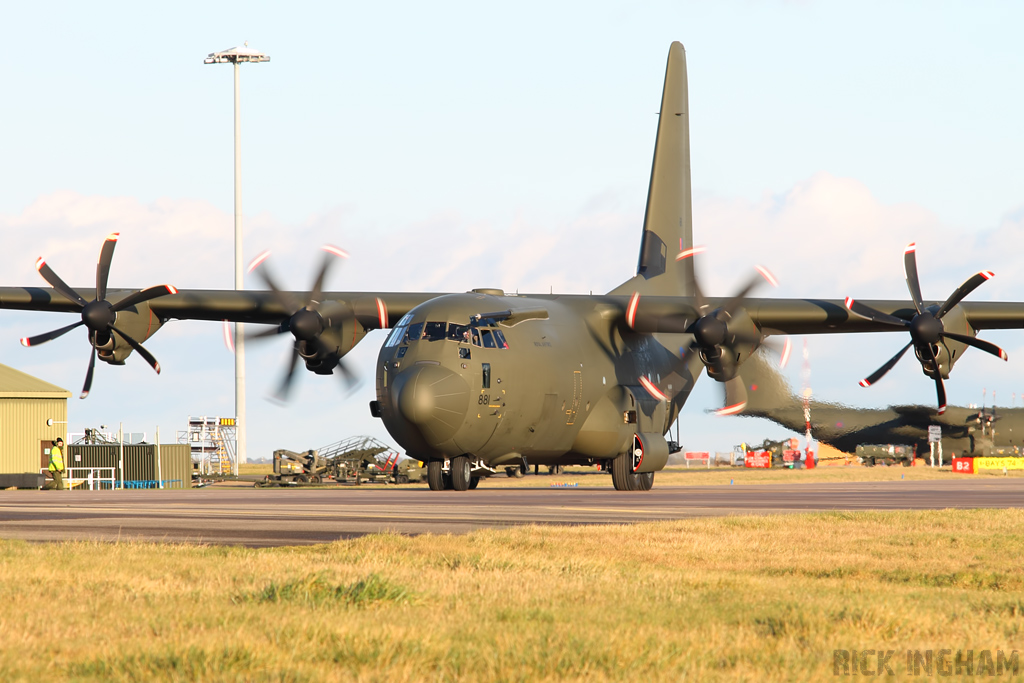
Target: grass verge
737	598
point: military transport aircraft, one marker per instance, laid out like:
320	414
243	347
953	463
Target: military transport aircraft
975	431
470	382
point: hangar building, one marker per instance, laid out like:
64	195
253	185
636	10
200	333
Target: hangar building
26	403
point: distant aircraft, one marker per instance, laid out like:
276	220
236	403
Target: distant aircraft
473	382
964	430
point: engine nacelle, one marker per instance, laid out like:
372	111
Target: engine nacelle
138	321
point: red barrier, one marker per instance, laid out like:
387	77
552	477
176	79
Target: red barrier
758	459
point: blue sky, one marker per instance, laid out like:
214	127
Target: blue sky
454	146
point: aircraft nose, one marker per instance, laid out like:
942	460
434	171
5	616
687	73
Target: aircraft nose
434	399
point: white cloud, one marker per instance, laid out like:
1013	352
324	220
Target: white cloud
825	237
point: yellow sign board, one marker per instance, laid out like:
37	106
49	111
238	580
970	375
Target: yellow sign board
227	422
998	463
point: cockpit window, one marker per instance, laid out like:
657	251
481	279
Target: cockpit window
459	333
435	331
441	331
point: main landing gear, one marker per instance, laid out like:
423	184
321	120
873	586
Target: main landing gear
457	476
624	479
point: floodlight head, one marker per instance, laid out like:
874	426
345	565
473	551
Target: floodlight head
236	55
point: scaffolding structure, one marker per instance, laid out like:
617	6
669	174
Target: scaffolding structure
213	443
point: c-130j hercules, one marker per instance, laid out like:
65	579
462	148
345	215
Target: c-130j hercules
479	380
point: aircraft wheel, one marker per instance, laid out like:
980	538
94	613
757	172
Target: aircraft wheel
645	480
474	482
315	479
461	473
510	472
302	479
435	477
623	478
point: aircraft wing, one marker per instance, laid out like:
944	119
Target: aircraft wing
373	309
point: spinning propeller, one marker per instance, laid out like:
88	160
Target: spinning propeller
926	329
712	336
98	315
308	322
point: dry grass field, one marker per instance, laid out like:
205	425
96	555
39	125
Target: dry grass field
738	598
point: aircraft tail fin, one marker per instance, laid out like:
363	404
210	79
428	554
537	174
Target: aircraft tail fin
769	394
668	222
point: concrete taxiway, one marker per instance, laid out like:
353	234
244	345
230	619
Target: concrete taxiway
268	517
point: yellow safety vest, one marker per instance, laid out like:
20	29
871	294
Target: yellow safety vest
56	460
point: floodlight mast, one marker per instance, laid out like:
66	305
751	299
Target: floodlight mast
236	56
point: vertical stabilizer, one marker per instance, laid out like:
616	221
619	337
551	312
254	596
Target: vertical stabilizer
668	222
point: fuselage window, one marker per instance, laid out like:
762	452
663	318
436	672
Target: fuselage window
415	332
476	337
401	351
435	331
499	339
486	379
488	339
464	352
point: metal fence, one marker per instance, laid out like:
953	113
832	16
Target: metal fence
139	467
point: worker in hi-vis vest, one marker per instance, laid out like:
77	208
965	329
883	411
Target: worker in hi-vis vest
56	467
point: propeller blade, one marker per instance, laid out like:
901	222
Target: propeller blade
735	397
318	286
54	280
940	388
732	304
281	395
138	347
88	375
880	372
963	290
267	333
987	347
143	295
284	299
48	336
103	265
913	283
868	313
697	293
348	375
